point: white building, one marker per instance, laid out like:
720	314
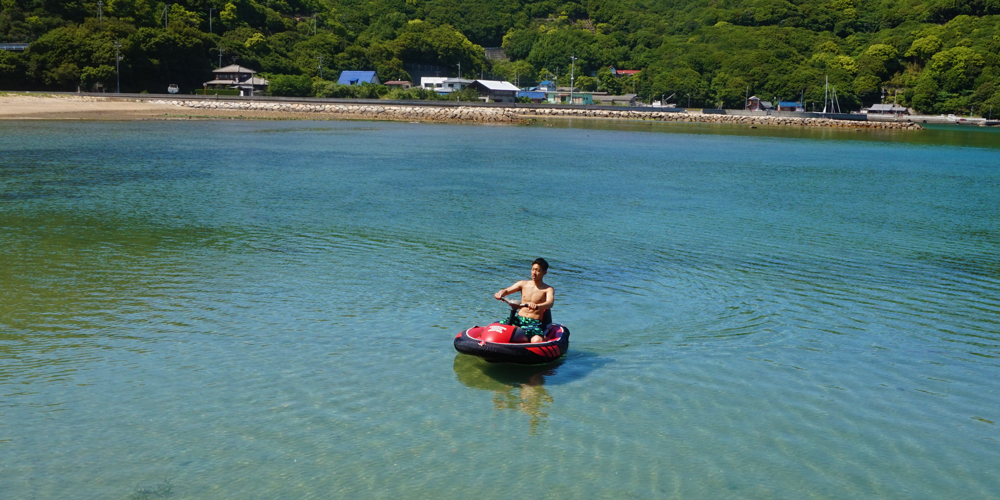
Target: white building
496	90
444	85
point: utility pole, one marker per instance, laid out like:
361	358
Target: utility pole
100	13
320	57
210	9
166	16
572	68
314	24
118	57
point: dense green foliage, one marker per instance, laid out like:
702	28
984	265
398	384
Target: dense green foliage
938	56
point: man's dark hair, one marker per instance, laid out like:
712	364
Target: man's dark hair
541	263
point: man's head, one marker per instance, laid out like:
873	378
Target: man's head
538	268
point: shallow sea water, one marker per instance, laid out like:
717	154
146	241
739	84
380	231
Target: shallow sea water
236	310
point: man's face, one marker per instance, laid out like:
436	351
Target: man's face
536	271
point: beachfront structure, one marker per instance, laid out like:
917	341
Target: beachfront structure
536	96
398	84
432	82
444	85
791	106
357	78
14	47
887	109
755	104
237	77
564	96
546	86
615	100
496	90
455	84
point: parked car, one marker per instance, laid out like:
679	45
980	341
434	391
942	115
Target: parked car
173	88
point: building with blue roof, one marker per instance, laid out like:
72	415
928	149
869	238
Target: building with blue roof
357	78
790	106
546	86
536	97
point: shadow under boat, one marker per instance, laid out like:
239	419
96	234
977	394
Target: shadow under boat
479	374
522	387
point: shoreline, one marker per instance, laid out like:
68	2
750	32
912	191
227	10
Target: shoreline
72	107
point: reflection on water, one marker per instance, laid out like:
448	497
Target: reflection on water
514	387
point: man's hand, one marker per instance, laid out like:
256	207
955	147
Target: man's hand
498	295
531	305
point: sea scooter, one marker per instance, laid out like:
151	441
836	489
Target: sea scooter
499	343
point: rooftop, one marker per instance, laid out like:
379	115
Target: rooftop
233	68
498	85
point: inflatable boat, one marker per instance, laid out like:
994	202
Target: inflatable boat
498	343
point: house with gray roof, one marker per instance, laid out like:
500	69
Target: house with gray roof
887	109
235	76
615	100
496	90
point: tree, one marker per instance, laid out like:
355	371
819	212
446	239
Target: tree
923	48
515	71
290	86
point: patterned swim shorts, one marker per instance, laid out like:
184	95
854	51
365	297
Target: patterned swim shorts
530	326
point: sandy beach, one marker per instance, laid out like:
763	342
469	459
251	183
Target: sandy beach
69	107
58	107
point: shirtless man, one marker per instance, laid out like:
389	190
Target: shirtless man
536	297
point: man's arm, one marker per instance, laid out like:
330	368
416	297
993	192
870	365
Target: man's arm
516	287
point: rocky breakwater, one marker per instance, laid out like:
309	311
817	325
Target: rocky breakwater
698	117
362	111
485	114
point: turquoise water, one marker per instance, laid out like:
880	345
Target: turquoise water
235	310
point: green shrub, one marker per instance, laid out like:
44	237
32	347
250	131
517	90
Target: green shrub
290	86
414	94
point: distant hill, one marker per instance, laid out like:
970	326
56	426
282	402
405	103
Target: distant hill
938	56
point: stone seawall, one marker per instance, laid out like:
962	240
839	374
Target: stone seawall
713	118
479	114
366	111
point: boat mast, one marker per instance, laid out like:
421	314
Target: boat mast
826	87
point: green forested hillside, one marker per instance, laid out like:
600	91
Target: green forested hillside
939	56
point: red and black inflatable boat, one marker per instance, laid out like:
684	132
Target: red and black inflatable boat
499	343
